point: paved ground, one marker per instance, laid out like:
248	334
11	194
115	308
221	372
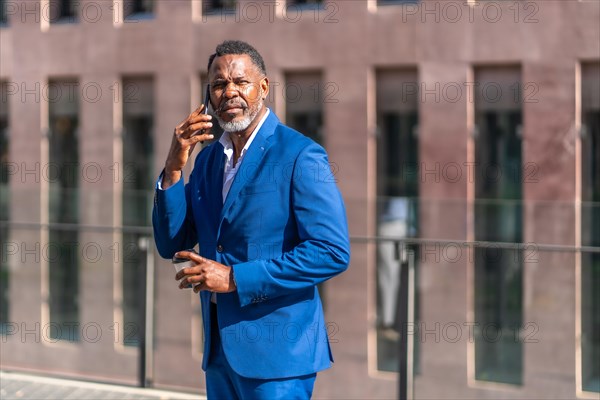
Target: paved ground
22	386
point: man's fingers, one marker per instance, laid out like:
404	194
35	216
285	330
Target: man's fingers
190	255
194	114
199	118
192	280
194	118
200	126
201	136
197	111
185	272
192	131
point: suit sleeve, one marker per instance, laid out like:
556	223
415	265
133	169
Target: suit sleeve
172	219
323	250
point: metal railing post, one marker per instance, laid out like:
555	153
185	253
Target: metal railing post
146	360
406	317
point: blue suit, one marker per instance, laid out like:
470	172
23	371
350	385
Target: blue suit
283	230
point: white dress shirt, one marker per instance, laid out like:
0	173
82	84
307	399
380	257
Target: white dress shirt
231	170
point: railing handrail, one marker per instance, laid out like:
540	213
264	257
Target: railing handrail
353	238
89	227
479	243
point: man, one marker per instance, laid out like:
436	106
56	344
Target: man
270	223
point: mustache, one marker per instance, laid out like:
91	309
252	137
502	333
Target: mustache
233	103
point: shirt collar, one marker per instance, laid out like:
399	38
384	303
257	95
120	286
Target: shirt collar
225	139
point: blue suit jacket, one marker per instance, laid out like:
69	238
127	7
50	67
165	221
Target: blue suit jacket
283	230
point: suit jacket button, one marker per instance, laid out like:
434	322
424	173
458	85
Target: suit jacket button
220	248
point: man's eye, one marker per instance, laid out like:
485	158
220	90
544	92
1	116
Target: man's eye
218	85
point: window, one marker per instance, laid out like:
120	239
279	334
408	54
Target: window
138	181
63	180
219	6
498	218
590	217
304	113
304	104
397	191
4	207
3	13
395	2
306	4
63	11
134	9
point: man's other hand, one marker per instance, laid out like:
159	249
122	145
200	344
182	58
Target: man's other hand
205	275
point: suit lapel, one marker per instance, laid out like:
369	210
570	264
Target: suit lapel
216	179
252	158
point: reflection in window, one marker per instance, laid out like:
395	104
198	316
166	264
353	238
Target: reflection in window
590	217
63	180
219	6
304	104
498	218
4	207
397	190
138	179
63	11
138	8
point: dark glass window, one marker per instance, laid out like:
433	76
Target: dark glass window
219	6
395	2
306	3
4	207
138	183
304	104
590	218
63	178
134	9
304	113
3	14
498	218
398	191
63	11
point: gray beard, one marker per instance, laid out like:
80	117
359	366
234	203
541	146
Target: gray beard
243	124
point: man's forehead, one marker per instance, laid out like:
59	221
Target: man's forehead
230	64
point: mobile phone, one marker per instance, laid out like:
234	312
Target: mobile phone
206	99
205	111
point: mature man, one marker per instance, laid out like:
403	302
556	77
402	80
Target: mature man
270	223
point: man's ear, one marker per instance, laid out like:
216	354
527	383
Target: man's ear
264	87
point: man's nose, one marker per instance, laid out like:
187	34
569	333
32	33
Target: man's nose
231	90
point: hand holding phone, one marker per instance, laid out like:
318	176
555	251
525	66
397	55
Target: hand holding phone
193	130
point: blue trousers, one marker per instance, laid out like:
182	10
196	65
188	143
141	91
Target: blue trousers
223	383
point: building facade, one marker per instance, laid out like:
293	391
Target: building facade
463	127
